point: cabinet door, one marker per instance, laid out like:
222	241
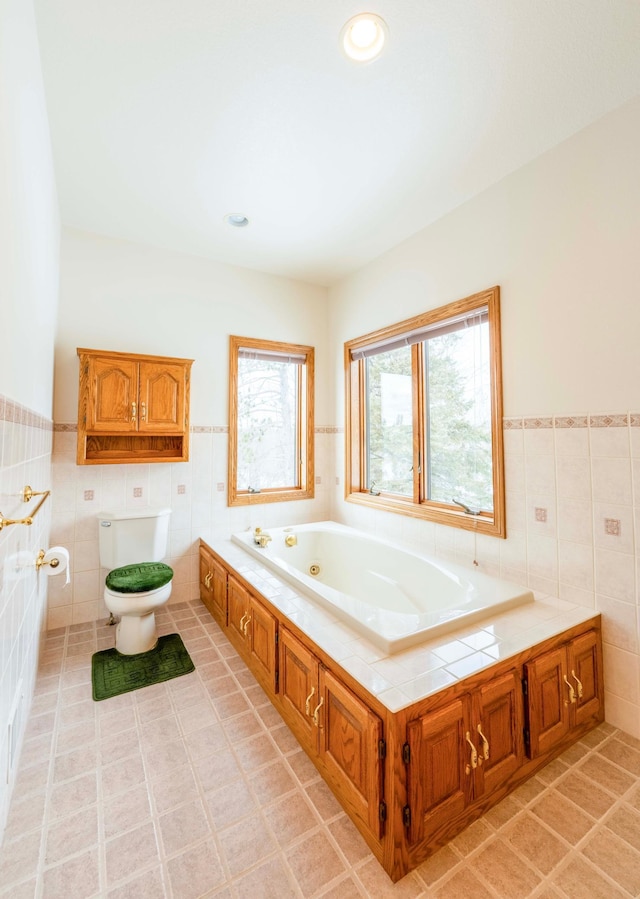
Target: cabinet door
112	403
549	700
439	773
349	738
238	608
262	632
298	687
218	585
585	672
162	397
498	724
206	578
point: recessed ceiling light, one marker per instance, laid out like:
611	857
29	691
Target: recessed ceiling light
363	37
236	220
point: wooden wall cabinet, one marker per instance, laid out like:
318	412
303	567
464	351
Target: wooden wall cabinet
411	780
132	408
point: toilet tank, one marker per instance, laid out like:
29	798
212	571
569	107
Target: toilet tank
136	535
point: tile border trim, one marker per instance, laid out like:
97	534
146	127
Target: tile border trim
22	415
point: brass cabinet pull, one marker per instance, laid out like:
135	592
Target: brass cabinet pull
143	410
474	755
485	744
572	692
241	625
579	683
308	702
134	412
207	580
246	625
317	709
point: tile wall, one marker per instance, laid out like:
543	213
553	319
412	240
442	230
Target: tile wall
573	519
25	459
196	492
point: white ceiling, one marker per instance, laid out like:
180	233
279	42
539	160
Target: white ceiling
167	114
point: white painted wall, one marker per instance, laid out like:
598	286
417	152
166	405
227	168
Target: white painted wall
123	296
560	236
29	241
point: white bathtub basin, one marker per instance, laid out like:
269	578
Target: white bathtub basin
394	597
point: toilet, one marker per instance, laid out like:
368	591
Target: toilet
132	545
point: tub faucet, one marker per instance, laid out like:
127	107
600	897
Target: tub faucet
260	538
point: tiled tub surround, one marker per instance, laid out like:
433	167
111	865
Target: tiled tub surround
420	699
25	459
573	525
126	798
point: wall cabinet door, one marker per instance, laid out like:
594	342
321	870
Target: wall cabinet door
461	753
213	586
161	397
564	690
113	395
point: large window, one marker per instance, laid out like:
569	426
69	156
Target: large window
270	421
424	416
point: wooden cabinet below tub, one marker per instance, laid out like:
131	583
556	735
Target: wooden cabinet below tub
411	779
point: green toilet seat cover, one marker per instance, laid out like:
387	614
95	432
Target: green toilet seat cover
139	578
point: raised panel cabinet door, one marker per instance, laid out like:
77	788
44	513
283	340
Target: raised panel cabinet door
238	608
585	673
439	772
548	700
218	583
262	632
498	724
162	397
206	576
298	687
112	403
349	736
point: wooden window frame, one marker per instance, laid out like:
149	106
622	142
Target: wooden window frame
416	506
304	424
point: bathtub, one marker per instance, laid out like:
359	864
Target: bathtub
394	597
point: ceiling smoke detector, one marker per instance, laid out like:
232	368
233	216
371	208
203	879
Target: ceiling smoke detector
363	37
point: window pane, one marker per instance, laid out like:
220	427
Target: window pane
458	414
389	422
268	449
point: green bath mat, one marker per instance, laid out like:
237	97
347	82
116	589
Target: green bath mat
113	673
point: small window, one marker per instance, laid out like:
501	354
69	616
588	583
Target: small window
424	416
270	421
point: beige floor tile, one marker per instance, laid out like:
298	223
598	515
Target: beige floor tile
183	826
474	835
246	844
315	863
271	782
440	864
73	795
77	877
126	811
71	835
290	818
230	803
169	792
580	880
606	774
349	840
195	872
323	800
256	752
538	845
149	885
270	880
345	888
585	793
129	852
376	883
463	883
562	816
622	754
616	858
243	726
625	822
505	871
19	857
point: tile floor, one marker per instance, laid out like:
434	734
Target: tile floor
196	788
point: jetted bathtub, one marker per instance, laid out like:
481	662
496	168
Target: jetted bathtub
394	597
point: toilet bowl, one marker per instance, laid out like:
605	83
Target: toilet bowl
132	545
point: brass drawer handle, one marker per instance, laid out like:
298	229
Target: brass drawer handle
134	412
579	683
246	625
308	702
207	580
143	410
241	625
474	755
485	744
317	709
572	692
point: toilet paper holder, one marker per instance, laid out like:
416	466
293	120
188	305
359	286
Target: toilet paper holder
40	561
